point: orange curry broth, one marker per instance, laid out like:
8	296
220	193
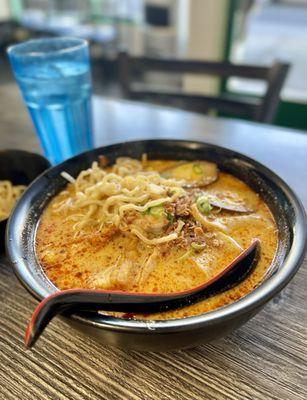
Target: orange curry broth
71	262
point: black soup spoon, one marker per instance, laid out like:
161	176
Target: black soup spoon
74	300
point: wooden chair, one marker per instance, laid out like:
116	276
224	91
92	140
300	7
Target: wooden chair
262	110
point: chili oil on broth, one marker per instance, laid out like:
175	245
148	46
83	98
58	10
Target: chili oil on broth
81	261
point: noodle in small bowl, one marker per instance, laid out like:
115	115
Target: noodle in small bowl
152	334
18	169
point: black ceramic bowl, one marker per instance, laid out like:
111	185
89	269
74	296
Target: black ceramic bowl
21	168
170	334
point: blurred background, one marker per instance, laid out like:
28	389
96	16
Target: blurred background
241	31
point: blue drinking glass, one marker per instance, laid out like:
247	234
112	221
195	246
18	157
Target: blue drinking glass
54	77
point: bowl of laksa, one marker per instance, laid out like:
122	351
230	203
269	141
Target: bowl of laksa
157	217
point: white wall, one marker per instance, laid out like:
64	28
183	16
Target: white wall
4	10
207	22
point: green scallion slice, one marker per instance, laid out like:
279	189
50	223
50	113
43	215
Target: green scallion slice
197	169
156	211
203	205
197	246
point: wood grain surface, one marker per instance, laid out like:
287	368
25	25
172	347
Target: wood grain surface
264	359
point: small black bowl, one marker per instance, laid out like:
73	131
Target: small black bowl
178	333
21	168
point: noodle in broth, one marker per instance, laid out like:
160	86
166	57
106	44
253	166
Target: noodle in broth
153	226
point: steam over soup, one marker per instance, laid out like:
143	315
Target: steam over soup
155	227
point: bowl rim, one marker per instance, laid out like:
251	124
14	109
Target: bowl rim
30	153
253	300
21	151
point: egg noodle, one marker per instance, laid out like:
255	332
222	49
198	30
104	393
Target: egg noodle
9	194
105	198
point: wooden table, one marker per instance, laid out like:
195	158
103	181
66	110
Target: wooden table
264	359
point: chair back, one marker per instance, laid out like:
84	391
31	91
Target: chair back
263	109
